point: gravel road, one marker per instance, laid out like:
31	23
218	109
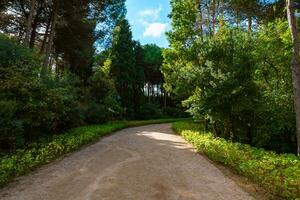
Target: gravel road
148	162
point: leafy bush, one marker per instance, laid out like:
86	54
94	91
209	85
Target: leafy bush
277	173
149	111
43	152
11	128
174	112
19	69
32	107
40	106
96	113
240	83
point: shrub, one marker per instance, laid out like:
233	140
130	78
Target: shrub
23	160
19	69
174	112
96	113
11	128
149	111
277	173
31	107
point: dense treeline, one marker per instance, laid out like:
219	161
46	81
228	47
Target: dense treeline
229	62
68	63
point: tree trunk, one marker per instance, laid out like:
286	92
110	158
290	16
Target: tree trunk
221	6
199	20
20	35
249	23
50	41
238	22
165	98
216	129
295	65
222	9
213	20
208	18
148	87
29	23
249	134
42	51
33	33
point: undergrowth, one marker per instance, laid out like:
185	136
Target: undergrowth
24	160
277	173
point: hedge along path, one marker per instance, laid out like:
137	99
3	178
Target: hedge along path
37	154
149	162
279	174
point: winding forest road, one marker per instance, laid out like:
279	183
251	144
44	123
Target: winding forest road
142	163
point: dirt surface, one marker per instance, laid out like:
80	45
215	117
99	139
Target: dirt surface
142	163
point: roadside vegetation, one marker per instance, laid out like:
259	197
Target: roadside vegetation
279	174
66	64
46	150
44	93
230	64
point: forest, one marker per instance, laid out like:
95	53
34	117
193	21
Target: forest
71	71
229	62
69	63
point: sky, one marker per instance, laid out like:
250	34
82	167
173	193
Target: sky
149	20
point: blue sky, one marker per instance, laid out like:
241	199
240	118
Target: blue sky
149	20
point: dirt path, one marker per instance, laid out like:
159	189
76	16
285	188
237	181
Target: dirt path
142	163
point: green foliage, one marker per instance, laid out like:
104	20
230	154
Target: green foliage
11	127
238	81
76	36
139	77
152	62
276	117
42	152
175	112
32	107
123	66
277	173
15	57
150	111
19	72
226	93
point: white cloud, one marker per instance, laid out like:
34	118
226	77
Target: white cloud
155	29
150	19
153	13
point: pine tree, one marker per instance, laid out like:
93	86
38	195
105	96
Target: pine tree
139	76
123	64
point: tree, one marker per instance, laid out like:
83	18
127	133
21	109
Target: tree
234	80
64	31
123	64
75	39
295	65
248	8
139	77
54	19
183	51
152	63
29	23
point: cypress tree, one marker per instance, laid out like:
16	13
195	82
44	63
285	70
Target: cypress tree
123	65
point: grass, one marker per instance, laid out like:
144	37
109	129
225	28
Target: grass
37	154
279	174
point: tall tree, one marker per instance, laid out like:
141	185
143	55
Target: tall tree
123	64
29	23
75	38
139	76
54	19
295	65
152	62
248	9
